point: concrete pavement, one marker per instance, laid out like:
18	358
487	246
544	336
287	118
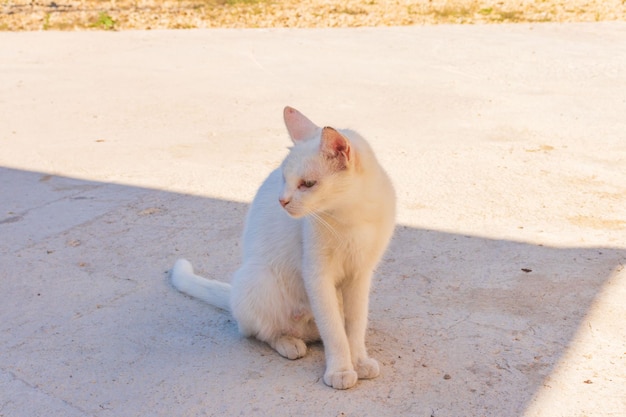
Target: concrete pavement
502	293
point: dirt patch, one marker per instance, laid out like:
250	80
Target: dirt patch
598	223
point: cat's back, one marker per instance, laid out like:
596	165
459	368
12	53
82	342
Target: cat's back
378	193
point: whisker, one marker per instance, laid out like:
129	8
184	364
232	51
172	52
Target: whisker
332	216
320	220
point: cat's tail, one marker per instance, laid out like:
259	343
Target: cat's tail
210	291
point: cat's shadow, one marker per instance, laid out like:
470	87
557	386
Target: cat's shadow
471	315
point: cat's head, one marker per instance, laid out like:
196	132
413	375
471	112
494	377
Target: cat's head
317	171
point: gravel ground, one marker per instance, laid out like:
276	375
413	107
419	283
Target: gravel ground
20	15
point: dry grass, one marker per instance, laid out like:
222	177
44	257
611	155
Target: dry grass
154	14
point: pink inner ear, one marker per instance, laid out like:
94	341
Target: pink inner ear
298	125
335	144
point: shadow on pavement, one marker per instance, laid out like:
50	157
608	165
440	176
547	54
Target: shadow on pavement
462	325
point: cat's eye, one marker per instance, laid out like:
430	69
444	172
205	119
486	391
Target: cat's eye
307	184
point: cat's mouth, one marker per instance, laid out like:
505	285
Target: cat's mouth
295	211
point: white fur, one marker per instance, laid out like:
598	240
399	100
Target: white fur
213	292
307	266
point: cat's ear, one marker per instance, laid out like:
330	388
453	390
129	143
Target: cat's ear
298	125
336	146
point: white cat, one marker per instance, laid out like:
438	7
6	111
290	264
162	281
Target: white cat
314	234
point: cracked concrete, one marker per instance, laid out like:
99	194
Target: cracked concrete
501	294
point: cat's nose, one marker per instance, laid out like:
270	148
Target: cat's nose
283	201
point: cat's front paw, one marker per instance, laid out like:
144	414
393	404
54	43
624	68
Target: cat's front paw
367	368
340	379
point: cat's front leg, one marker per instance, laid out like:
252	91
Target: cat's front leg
340	373
356	301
